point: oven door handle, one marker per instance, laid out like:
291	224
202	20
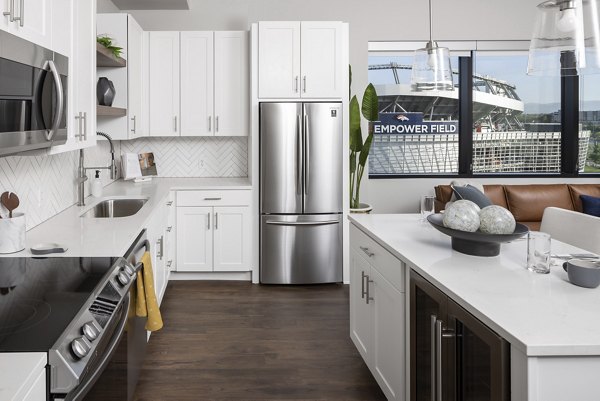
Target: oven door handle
80	391
145	244
60	101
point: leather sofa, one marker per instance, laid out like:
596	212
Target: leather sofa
527	202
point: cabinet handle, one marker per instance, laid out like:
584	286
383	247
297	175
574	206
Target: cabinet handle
368	292
362	285
212	199
170	203
304	84
11	11
169	229
209	123
134	124
367	251
21	17
208	222
438	383
175	120
296	87
217	123
433	344
216	221
79	119
85	125
160	243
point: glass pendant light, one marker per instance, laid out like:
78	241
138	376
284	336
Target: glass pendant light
431	69
566	39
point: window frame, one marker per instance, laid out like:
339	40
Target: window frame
465	52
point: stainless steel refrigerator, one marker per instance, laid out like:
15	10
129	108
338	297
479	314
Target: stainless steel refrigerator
300	193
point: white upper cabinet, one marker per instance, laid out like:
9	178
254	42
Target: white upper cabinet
279	59
300	60
214	83
29	19
197	99
321	59
231	84
136	116
164	83
81	109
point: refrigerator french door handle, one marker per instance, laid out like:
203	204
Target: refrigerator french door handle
302	223
433	344
306	154
298	156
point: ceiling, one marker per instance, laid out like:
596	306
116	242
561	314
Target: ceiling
152	4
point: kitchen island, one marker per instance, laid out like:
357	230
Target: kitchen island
550	324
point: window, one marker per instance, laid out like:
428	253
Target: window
419	131
515	127
516	117
589	123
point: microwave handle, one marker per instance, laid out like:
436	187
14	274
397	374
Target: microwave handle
60	98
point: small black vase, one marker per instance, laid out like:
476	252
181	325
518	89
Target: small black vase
105	92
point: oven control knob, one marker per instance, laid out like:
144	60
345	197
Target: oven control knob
90	330
123	278
80	347
128	269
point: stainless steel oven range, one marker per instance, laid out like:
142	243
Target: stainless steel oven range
77	311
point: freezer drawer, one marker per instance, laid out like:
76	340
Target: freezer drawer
301	249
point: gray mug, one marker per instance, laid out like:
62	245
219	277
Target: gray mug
583	273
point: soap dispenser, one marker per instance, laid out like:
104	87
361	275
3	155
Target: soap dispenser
96	185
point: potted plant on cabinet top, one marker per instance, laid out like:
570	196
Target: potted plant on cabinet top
359	150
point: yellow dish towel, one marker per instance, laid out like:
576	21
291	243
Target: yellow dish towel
146	303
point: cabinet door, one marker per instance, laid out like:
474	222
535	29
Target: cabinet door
164	84
321	61
232	239
32	20
279	59
135	64
361	316
197	84
155	237
427	304
194	239
81	105
231	83
388	363
170	235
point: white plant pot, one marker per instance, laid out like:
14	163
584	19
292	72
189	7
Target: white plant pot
364	208
12	233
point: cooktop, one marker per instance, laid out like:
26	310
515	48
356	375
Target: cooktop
39	297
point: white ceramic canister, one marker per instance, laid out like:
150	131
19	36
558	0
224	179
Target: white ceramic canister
12	233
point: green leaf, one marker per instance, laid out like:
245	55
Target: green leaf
352	162
355	131
370	106
364	154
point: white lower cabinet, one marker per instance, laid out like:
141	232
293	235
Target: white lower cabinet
159	231
377	313
213	231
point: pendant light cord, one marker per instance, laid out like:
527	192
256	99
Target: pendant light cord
430	24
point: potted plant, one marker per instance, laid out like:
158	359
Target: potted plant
359	150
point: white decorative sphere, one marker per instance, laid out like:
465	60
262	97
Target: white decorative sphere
496	220
462	215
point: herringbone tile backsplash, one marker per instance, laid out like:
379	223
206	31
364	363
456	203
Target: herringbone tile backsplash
195	157
46	184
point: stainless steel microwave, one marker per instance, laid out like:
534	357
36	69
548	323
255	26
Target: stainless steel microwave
33	96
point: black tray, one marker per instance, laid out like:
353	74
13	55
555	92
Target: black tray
476	243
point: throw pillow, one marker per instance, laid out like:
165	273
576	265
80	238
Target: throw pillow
591	205
472	194
464	183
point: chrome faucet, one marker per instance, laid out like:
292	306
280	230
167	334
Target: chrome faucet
82	176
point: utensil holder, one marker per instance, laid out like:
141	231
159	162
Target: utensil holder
12	233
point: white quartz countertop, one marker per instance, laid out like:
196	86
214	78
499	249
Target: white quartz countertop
18	373
540	314
112	237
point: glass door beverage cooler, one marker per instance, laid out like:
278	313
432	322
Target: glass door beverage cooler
454	356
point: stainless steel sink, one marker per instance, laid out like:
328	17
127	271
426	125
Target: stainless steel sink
111	208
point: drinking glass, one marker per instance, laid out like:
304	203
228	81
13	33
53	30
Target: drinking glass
427	206
538	252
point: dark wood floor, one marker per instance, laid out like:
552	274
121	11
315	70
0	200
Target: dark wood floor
238	341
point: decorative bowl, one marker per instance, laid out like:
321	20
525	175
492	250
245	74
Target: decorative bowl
476	243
